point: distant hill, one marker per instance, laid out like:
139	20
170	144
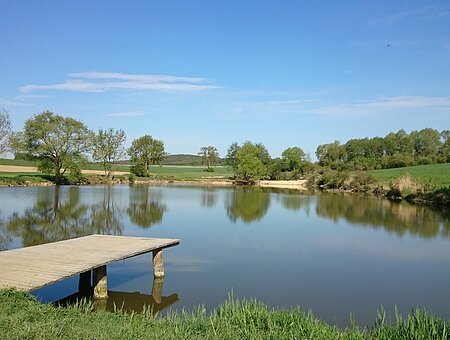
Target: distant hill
182	159
179	159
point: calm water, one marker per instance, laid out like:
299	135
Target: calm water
332	254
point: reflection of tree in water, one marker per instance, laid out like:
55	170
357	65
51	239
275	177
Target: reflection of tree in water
5	236
396	217
247	204
106	216
145	208
296	201
54	219
209	197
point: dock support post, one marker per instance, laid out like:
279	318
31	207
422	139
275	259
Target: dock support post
84	283
158	263
100	283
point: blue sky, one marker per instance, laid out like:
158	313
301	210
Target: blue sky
196	73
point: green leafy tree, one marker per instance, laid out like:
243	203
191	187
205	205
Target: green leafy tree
444	149
58	143
230	158
108	148
5	131
426	143
252	161
210	156
331	155
146	151
293	158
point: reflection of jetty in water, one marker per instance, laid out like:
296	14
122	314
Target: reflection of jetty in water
395	217
127	302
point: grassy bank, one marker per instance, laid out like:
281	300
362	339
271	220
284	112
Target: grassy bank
420	184
21	317
437	174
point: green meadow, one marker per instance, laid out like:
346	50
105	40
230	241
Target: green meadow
438	174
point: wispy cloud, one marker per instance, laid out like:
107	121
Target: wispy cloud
14	102
104	81
125	114
383	105
429	12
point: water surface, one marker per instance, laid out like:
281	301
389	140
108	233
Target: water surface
335	255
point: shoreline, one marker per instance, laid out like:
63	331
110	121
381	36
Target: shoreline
294	184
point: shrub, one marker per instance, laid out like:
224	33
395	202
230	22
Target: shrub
140	170
407	187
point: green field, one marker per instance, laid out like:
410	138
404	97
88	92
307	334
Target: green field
169	172
16	162
439	174
189	172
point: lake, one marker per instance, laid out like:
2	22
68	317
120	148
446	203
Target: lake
336	255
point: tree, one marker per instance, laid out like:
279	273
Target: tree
58	143
444	149
230	158
426	143
5	131
210	156
108	148
331	154
252	162
293	158
146	151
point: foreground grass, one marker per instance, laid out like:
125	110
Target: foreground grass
21	317
438	174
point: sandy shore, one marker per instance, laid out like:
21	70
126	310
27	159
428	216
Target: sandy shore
299	184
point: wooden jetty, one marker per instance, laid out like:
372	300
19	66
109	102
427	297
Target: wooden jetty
30	268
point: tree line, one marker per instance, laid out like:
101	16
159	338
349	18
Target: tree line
62	145
395	150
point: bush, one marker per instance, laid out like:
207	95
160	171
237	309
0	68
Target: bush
407	187
140	170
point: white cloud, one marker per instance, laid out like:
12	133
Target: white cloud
384	105
125	114
104	81
14	102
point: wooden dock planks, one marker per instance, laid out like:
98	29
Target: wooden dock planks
34	267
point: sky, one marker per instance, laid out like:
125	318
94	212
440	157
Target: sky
198	73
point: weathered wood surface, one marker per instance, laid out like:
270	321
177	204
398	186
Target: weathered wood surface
34	267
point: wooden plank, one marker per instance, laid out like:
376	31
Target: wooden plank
37	266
